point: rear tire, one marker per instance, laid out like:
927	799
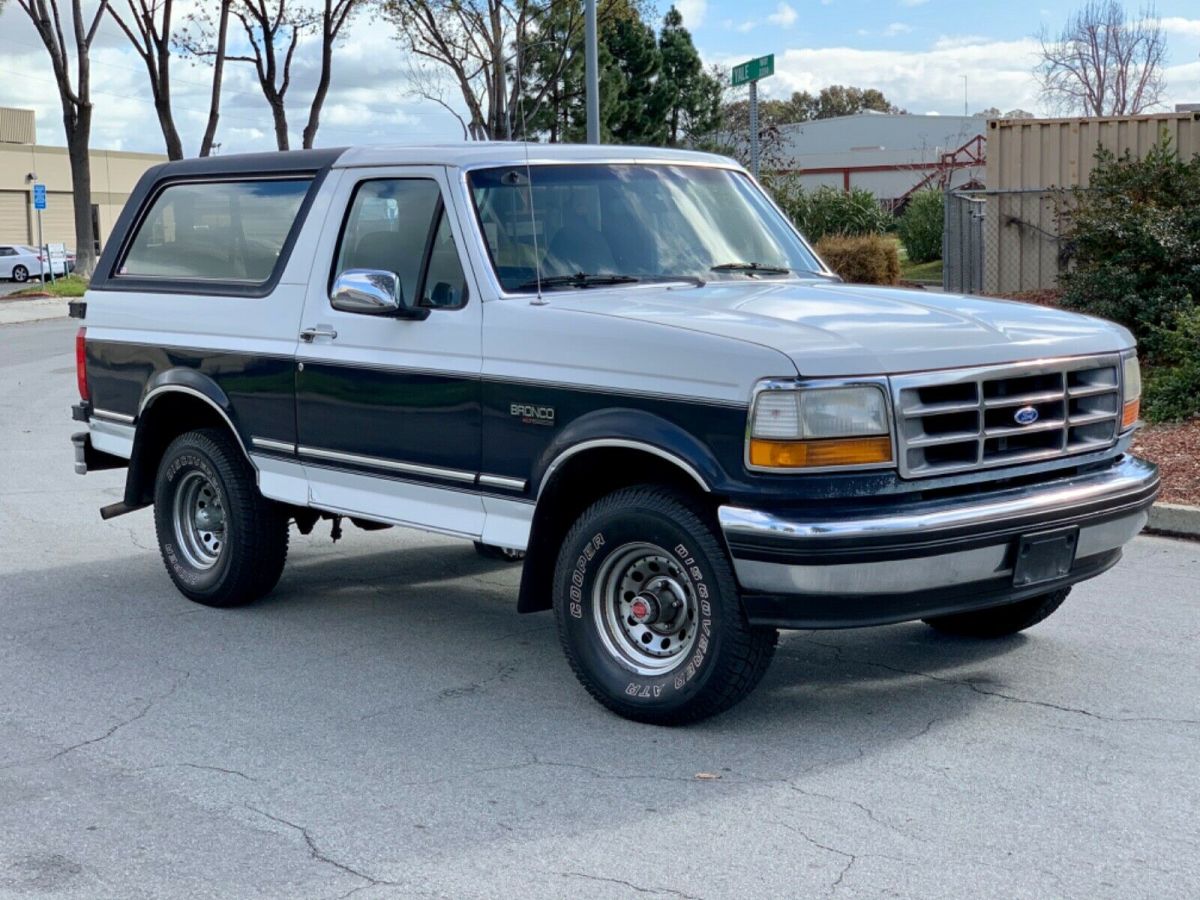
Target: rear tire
222	542
20	274
1000	621
648	610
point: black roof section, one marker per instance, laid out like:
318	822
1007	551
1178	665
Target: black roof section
316	163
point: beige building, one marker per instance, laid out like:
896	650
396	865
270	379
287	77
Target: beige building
114	174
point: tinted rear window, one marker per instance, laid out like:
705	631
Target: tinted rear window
216	231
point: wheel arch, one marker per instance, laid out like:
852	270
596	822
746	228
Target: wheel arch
582	473
174	402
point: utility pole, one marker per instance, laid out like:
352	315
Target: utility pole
592	72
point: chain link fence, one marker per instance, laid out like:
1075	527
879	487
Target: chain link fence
1003	242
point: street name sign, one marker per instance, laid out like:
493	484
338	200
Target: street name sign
753	70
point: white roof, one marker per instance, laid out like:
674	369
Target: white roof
473	154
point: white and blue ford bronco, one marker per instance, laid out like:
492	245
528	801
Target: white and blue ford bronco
621	365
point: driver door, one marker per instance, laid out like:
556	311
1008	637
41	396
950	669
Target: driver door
388	409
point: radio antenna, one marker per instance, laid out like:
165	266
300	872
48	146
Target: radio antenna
537	255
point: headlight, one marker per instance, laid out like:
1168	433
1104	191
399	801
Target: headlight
1131	390
819	427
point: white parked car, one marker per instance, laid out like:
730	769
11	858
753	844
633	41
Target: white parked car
20	263
624	363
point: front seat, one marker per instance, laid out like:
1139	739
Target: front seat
578	247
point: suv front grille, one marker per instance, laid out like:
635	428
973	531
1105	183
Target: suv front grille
964	419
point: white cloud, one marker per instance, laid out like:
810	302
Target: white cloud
896	28
913	2
369	100
784	16
919	80
1181	26
693	12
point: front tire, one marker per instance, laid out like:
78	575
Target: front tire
1000	621
649	614
222	542
20	274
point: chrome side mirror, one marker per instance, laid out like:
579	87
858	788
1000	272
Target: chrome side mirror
373	292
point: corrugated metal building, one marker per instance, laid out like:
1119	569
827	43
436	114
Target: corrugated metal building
1005	239
886	154
114	174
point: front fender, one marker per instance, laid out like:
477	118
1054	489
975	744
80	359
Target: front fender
634	429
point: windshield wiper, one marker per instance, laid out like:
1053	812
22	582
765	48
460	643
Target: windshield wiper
579	279
755	268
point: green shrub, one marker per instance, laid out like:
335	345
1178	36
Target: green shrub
1172	391
1135	238
861	259
828	210
921	226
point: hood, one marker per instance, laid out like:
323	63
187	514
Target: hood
833	329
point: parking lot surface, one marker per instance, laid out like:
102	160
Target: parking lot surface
386	725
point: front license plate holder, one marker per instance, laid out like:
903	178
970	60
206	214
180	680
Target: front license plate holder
1044	556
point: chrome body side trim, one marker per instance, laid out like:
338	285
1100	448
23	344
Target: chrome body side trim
1126	479
393	465
502	482
277	446
112	416
628	445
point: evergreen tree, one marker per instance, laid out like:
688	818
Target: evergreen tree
690	96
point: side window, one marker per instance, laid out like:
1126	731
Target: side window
7	251
230	231
387	228
445	284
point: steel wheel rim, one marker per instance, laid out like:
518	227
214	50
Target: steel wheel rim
199	519
645	572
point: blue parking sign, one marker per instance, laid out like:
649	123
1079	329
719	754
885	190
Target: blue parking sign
39	196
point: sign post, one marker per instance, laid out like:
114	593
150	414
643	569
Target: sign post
750	72
39	203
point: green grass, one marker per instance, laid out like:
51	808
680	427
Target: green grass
929	273
71	286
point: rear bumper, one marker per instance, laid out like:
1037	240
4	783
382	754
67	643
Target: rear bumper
932	557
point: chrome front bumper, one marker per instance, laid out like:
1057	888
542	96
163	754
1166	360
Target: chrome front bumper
930	557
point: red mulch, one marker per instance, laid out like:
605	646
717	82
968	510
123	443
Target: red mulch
1048	297
1176	449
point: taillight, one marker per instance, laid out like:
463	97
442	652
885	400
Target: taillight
81	364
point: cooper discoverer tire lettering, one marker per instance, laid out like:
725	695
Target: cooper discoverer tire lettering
648	610
222	542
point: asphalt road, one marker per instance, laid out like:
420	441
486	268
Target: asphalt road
386	725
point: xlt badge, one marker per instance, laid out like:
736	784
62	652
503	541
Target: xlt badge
532	415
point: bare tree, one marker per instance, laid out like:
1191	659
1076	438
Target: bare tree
205	37
273	30
1103	63
147	24
75	97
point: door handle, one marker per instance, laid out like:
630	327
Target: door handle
309	335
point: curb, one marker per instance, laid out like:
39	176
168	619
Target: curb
1174	520
40	295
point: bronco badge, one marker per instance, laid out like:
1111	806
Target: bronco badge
532	415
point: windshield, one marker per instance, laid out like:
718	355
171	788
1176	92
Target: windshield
622	223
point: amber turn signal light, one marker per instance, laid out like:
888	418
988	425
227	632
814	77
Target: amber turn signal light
820	453
1129	415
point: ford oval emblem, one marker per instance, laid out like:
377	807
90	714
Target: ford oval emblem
1026	415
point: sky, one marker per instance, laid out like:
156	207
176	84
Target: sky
917	52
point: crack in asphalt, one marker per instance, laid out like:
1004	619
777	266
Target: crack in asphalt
870	813
629	884
119	725
316	853
1000	695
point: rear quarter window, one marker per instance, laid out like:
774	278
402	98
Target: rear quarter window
216	231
